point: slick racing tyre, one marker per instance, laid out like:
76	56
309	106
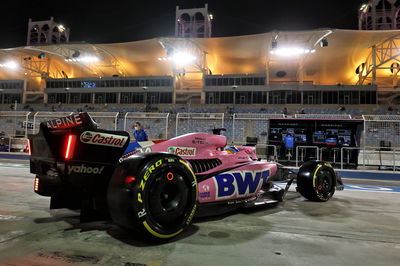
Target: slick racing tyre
153	194
316	181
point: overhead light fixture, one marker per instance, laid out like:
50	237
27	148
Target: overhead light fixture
41	55
10	65
324	43
291	51
179	58
274	44
88	59
182	58
61	28
83	59
76	54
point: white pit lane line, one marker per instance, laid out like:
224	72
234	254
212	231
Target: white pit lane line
361	188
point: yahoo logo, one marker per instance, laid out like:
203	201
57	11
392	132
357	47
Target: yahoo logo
239	183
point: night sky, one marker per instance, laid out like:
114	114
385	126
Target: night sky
123	21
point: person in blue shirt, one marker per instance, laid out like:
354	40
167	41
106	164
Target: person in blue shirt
289	144
139	133
289	141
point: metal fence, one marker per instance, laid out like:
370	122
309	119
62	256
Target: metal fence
380	145
157	125
252	125
106	120
14	123
324	116
381	131
198	122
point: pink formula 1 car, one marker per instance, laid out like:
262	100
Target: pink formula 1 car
157	188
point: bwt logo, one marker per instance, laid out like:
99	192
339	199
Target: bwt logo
239	183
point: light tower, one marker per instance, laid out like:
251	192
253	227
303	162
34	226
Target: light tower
379	15
46	32
193	23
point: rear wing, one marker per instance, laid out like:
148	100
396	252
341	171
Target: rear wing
75	139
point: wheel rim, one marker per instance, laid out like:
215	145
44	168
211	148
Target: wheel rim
168	200
324	183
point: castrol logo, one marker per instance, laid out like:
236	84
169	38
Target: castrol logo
97	138
182	151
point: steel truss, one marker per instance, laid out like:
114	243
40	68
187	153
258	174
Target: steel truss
66	51
380	55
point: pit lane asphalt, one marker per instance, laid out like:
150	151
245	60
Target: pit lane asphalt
356	227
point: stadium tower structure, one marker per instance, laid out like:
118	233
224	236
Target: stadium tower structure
193	23
379	15
46	32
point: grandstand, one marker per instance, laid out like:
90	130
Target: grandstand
194	82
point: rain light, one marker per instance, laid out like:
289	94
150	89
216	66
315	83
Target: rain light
69	149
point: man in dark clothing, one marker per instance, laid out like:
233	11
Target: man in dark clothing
139	133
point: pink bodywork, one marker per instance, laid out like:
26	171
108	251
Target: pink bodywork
209	146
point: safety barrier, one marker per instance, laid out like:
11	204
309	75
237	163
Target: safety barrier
256	125
155	124
198	122
303	148
14	123
378	129
106	120
381	130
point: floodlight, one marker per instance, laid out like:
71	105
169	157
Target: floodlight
291	51
10	65
89	59
324	43
76	54
182	58
61	28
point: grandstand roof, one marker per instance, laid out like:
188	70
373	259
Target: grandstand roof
333	64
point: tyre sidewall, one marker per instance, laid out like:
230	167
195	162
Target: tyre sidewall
307	180
135	198
141	191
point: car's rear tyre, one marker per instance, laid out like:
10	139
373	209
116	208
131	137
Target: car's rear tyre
316	181
153	194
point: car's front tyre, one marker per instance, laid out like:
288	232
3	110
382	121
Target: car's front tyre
316	181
